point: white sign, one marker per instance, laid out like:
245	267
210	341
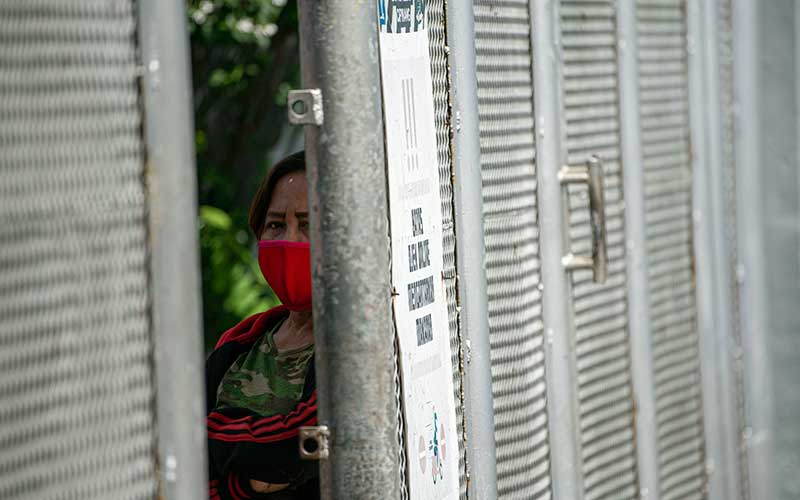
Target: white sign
415	211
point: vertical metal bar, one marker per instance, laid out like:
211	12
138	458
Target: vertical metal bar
707	323
726	344
636	251
713	303
470	255
560	342
350	250
753	26
175	278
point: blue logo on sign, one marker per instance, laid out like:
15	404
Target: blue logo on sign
382	12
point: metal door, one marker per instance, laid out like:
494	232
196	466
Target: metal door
662	58
511	233
617	93
599	311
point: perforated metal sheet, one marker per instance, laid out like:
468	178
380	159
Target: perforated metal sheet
399	420
663	88
75	380
605	403
725	58
505	106
437	44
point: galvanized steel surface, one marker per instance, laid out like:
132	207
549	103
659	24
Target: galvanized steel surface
566	480
505	105
729	277
591	109
470	264
350	250
720	413
174	254
765	100
771	258
636	251
663	85
76	385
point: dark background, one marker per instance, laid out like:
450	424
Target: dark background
244	62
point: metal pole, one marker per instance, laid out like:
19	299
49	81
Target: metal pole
470	255
713	294
755	27
565	465
726	343
175	278
636	251
707	323
350	250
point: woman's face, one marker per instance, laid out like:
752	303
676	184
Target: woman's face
287	215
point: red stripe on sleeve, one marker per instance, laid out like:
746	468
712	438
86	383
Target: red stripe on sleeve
237	484
264	430
285	422
213	491
271	438
221	418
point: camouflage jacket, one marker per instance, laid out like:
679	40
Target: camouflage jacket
253	427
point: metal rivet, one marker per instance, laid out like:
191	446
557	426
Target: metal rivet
305	107
314	442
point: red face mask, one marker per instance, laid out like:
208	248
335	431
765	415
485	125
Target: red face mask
286	265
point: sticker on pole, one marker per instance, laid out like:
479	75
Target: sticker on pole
416	223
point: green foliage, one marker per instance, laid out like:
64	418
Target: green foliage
244	62
233	287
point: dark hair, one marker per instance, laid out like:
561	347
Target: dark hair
295	162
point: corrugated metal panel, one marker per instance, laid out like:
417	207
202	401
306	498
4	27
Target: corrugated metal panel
75	351
663	86
437	43
505	105
725	48
605	400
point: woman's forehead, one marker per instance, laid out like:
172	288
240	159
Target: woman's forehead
290	190
291	179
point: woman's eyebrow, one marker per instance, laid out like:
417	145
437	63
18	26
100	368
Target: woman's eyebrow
277	215
301	215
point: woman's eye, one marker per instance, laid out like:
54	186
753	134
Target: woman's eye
274	225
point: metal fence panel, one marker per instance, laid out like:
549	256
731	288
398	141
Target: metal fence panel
603	378
505	106
437	43
663	85
76	380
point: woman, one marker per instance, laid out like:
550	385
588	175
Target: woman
260	377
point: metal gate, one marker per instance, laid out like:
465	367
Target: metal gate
82	301
77	388
610	80
590	167
667	176
508	172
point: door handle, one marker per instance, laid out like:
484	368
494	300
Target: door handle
592	176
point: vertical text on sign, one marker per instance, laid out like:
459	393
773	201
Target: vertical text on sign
416	221
420	293
424	330
410	125
419	255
